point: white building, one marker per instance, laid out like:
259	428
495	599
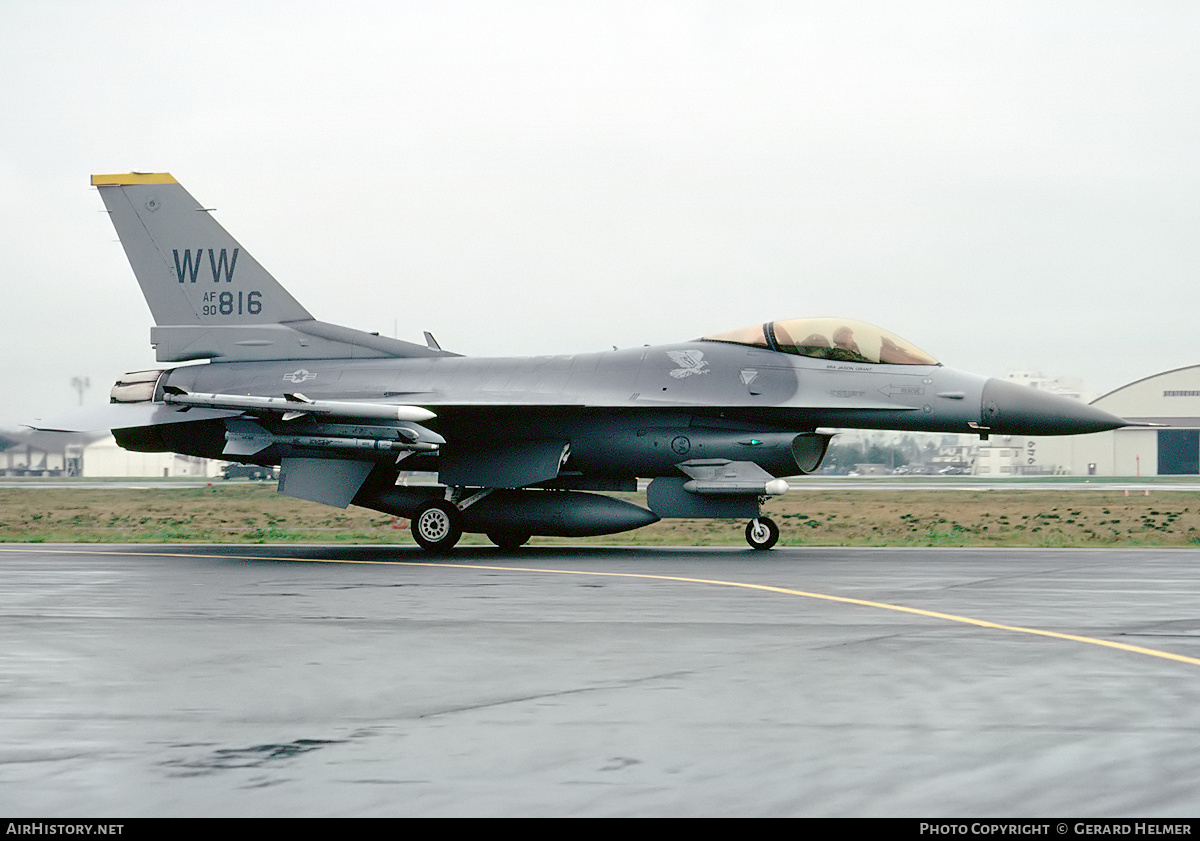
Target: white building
1054	385
105	458
27	452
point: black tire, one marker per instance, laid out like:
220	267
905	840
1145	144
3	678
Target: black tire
509	540
437	526
762	533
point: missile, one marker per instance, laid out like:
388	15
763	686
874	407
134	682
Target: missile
246	437
296	405
319	442
774	487
720	477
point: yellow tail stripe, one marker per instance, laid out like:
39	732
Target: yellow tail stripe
133	178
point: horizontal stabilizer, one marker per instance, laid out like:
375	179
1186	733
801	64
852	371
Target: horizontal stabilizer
126	416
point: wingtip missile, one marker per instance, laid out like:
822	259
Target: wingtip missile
297	404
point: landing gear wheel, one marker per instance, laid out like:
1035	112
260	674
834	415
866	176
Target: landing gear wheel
762	533
509	540
437	526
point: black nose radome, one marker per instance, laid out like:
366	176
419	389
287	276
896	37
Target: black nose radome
1011	409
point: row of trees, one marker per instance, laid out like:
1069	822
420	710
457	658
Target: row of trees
908	449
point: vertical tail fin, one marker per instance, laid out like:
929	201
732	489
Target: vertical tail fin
189	267
209	297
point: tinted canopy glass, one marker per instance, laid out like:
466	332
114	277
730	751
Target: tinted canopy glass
839	339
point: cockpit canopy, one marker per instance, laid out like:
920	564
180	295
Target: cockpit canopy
839	339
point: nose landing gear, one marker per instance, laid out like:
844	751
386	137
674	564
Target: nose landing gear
762	533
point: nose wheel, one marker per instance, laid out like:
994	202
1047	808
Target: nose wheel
437	526
762	533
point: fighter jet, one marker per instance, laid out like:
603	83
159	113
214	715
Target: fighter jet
520	446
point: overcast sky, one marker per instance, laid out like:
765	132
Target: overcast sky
1007	185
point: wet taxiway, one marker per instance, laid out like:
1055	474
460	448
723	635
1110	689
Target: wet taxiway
235	680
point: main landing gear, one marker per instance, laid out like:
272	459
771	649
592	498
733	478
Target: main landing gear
762	533
437	526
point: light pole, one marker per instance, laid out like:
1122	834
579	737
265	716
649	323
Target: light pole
80	384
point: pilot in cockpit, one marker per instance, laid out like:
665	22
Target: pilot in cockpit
843	338
844	346
882	347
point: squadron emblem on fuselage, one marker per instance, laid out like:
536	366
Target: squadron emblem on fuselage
689	362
